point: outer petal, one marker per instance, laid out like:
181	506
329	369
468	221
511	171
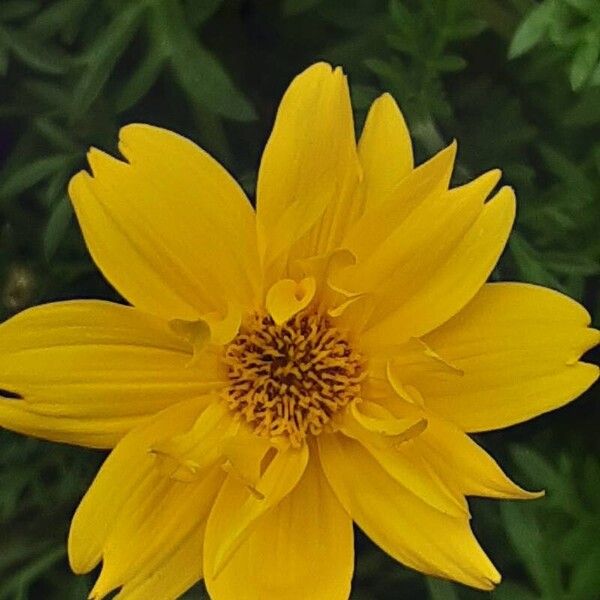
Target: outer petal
300	550
86	372
309	167
420	191
419	298
129	468
177	573
464	465
391	441
408	467
171	230
385	150
518	347
400	523
152	525
238	508
188	455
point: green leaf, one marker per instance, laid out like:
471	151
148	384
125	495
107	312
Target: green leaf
56	186
296	7
44	58
532	29
58	15
543	474
402	43
530	263
199	73
17	585
102	58
571	263
466	28
31	173
363	95
580	540
17	9
536	467
383	69
450	63
586	111
509	590
584	61
57	226
55	134
585	578
3	61
144	77
566	170
199	12
47	93
403	19
441	590
591	482
527	539
586	7
595	78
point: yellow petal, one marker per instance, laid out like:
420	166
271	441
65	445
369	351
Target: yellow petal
419	300
87	372
389	440
323	268
287	297
380	427
402	460
129	467
168	581
151	526
402	361
300	550
518	347
237	509
187	455
170	229
402	524
196	333
223	328
420	191
309	167
464	464
384	150
244	453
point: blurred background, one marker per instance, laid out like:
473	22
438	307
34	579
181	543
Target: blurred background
517	82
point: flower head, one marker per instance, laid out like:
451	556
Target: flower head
285	372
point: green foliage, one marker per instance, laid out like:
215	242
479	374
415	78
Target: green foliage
38	493
517	83
572	27
556	540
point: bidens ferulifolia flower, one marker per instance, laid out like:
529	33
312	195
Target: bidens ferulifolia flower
283	373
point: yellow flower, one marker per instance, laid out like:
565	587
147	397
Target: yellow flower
281	374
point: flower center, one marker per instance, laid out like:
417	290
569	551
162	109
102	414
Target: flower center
289	380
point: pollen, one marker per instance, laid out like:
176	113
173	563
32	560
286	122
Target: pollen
290	380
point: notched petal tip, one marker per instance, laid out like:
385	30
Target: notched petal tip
78	185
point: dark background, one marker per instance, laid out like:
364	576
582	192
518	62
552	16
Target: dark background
517	82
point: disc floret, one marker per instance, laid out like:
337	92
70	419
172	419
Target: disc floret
289	380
